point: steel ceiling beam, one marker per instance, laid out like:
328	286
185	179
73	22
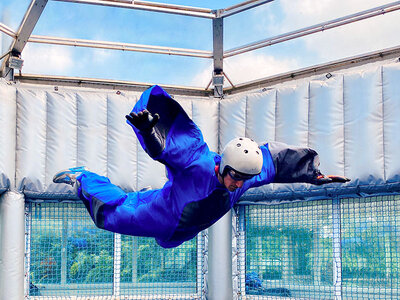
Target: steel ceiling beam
7	30
151	6
238	8
218	56
119	46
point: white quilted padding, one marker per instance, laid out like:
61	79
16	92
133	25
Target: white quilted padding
391	124
351	120
8	111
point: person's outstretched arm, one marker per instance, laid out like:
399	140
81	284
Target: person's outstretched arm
297	164
144	121
165	131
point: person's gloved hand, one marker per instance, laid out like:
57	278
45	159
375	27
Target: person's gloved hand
143	120
323	179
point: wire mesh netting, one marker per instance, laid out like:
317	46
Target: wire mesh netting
370	248
69	257
291	250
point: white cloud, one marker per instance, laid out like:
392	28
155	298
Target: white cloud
307	12
348	40
203	77
101	55
47	59
251	66
247	67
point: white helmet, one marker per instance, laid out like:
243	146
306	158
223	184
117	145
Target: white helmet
243	156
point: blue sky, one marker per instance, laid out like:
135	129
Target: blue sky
81	21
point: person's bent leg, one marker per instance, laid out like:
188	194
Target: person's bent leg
113	209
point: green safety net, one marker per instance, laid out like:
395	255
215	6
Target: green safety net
69	257
291	250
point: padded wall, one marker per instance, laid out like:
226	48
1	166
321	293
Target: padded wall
351	119
67	128
7	134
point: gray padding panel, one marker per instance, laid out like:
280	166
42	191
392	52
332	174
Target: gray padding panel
292	115
8	110
31	139
261	120
206	114
363	120
62	146
232	119
92	131
326	129
122	166
391	125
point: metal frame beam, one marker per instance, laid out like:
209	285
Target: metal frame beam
34	11
150	6
28	23
175	9
119	46
7	30
246	5
218	56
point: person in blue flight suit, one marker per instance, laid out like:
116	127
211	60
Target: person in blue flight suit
202	185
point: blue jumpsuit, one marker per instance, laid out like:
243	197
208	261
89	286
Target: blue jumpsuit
190	201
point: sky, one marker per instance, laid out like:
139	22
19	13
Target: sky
82	21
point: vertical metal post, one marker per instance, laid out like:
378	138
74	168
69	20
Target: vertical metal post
117	265
287	254
135	248
64	243
200	263
242	250
316	250
337	251
12	241
220	259
28	221
235	255
218	53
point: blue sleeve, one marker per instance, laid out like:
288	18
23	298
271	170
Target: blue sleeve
181	139
267	174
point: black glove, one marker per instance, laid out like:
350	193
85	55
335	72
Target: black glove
144	121
323	179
